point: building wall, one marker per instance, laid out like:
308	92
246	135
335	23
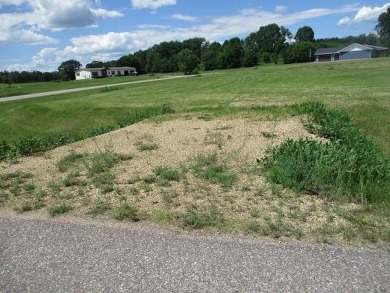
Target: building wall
355	55
83	75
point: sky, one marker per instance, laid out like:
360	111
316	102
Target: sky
41	34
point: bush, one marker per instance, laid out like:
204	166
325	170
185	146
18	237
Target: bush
349	166
125	211
4	150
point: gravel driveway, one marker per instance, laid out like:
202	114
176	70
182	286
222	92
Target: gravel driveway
66	91
52	256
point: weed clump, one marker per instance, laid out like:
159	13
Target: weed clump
207	167
59	209
125	211
349	166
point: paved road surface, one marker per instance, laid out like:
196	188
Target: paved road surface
48	256
52	93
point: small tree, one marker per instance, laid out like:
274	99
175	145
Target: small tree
304	34
383	27
67	69
187	61
95	64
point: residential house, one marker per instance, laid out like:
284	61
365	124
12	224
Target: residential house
351	52
88	73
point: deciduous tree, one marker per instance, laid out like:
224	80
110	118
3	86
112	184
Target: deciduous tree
304	34
67	69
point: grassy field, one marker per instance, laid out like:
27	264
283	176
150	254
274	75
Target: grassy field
268	93
17	89
361	88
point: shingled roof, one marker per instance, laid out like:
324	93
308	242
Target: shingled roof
323	51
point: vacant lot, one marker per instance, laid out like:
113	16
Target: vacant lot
200	167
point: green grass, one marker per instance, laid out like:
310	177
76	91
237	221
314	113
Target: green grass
349	166
358	87
207	167
353	114
125	211
39	87
59	209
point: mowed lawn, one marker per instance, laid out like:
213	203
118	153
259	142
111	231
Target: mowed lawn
361	88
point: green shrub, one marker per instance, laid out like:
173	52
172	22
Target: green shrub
69	161
101	162
197	218
59	210
4	150
125	211
167	173
208	168
349	166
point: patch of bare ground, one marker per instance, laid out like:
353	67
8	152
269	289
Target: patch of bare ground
187	173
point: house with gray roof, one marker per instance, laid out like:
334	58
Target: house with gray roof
88	73
351	52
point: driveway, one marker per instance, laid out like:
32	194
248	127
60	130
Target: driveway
59	92
60	256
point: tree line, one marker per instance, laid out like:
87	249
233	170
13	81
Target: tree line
271	43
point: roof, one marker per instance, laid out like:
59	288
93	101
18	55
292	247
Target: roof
323	51
120	68
105	68
90	69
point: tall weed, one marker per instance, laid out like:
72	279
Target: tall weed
349	166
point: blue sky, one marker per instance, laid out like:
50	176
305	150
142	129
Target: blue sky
41	34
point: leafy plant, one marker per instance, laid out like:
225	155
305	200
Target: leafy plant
125	211
198	218
349	166
59	209
100	207
146	145
167	173
207	167
69	161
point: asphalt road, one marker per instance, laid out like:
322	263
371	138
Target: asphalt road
52	256
52	93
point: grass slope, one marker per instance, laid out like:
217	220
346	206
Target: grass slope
359	87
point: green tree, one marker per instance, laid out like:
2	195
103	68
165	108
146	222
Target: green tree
95	64
383	27
299	52
233	52
195	45
188	61
153	60
67	69
211	56
304	34
271	39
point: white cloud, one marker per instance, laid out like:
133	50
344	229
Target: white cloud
33	38
281	8
365	14
345	21
38	15
152	4
11	2
115	44
56	15
184	17
370	14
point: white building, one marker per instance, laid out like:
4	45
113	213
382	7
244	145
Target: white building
88	73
